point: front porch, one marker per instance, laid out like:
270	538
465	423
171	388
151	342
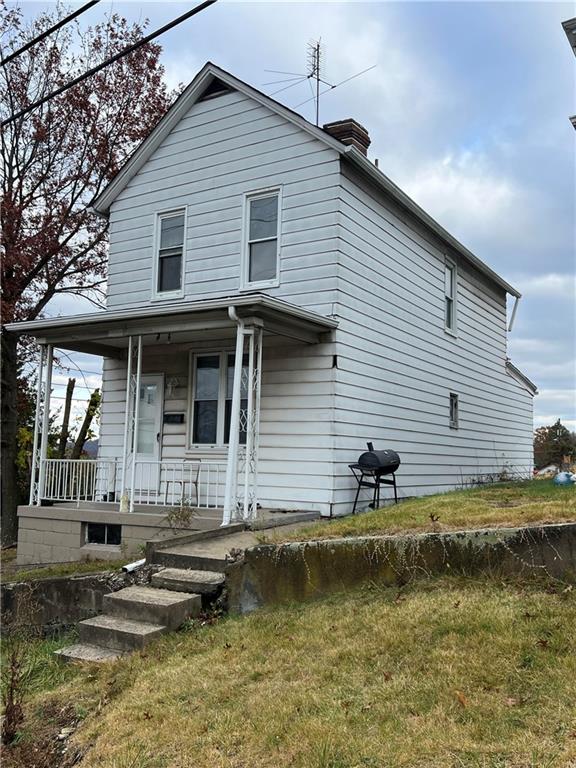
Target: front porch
182	411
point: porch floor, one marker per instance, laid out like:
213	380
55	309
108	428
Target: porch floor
203	519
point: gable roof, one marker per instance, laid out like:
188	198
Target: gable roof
202	85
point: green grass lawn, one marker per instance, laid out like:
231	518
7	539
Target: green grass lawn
444	674
502	505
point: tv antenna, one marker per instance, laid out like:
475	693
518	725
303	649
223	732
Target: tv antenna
314	67
315	56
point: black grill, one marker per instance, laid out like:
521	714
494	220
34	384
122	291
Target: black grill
370	472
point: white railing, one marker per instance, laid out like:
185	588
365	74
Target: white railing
198	484
80	479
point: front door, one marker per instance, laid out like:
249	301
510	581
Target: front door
149	436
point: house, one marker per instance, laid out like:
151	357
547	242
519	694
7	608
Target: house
274	301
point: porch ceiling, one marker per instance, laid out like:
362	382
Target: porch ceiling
106	333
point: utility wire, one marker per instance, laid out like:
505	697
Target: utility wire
109	61
48	32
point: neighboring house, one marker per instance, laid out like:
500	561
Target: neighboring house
276	301
570	30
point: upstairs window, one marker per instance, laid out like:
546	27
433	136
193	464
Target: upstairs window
450	297
261	239
453	410
170	253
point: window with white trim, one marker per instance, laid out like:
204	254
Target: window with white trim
453	410
450	296
211	398
261	249
170	253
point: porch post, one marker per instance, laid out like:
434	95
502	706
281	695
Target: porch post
126	422
252	424
231	488
136	417
45	422
34	492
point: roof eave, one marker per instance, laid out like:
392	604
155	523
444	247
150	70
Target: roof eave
521	377
362	162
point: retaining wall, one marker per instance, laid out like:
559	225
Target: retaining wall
271	574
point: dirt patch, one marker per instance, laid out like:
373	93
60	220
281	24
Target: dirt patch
506	504
44	742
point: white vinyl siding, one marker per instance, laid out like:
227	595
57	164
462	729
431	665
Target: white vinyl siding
222	149
396	364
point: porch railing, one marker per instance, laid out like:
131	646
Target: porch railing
198	484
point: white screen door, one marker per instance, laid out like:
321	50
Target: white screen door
149	433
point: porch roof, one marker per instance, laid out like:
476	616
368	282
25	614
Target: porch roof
106	333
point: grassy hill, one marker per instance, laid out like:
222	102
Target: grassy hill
442	674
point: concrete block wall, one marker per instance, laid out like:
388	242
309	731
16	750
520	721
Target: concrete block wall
55	534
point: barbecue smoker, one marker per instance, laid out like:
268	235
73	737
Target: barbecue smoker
370	472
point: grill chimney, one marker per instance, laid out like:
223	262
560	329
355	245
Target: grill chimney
349	132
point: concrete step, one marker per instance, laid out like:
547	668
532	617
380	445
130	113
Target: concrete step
155	606
182	580
178	557
119	634
85	652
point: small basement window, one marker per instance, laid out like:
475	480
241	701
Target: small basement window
103	533
453	410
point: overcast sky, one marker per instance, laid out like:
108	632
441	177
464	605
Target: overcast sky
468	112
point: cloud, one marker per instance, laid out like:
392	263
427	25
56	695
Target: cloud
464	191
552	285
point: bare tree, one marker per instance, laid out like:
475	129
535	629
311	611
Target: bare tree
55	160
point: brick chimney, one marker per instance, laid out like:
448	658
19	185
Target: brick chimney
349	132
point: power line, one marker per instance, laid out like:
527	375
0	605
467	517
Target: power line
109	61
48	32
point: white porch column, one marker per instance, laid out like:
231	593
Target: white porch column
123	489
136	417
231	488
34	493
250	506
45	423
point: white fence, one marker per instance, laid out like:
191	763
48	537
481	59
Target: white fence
198	484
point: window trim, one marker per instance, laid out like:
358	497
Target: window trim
245	284
159	216
454	422
451	264
219	446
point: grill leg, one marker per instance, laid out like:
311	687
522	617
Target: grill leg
356	499
395	491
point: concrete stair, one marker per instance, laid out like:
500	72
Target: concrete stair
185	580
118	634
183	558
135	616
154	606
